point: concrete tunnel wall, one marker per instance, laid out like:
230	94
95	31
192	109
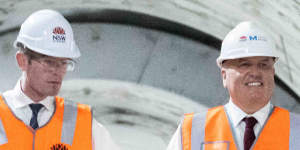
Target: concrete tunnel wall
174	62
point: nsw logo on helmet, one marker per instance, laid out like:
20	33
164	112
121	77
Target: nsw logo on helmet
59	35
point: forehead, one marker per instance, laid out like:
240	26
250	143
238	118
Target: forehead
251	59
39	55
56	58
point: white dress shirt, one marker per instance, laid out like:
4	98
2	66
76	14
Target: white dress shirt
236	116
18	102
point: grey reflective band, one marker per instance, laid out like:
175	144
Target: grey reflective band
294	131
198	131
3	138
69	122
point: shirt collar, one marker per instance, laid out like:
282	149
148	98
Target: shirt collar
22	100
237	115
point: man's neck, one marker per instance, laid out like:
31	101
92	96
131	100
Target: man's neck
249	108
34	96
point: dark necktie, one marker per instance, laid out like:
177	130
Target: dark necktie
249	135
35	109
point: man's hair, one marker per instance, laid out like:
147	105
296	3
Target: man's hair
29	53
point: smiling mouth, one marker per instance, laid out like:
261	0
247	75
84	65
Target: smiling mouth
254	84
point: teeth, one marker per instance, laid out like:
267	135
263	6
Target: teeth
254	84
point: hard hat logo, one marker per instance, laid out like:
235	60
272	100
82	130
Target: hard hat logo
257	38
253	38
59	35
58	30
243	38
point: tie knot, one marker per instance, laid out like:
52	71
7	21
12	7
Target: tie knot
250	122
35	107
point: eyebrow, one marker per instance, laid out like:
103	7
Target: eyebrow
245	59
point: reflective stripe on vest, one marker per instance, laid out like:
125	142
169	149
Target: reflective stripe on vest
294	131
3	138
69	122
64	129
197	131
212	131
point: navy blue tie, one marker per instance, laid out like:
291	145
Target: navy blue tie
35	109
249	135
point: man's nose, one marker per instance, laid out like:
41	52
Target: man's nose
57	70
255	71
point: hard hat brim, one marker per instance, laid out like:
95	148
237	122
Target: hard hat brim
75	50
221	58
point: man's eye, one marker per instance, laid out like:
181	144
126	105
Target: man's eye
49	62
64	63
265	65
244	65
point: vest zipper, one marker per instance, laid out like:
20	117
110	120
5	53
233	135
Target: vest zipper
33	143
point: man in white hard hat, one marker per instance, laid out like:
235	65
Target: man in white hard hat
31	115
248	120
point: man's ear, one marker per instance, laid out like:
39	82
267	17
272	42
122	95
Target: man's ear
223	74
22	60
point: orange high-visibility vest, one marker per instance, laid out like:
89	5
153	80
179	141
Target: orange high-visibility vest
70	128
212	131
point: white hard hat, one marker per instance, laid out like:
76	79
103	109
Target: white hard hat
246	40
49	33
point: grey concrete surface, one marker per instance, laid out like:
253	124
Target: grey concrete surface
143	56
279	18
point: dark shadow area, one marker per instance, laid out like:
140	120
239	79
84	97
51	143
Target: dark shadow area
282	85
142	20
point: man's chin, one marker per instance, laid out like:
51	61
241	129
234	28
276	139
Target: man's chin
258	98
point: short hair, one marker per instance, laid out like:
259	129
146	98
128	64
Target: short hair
28	52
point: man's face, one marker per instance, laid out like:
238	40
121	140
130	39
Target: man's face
249	81
44	76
